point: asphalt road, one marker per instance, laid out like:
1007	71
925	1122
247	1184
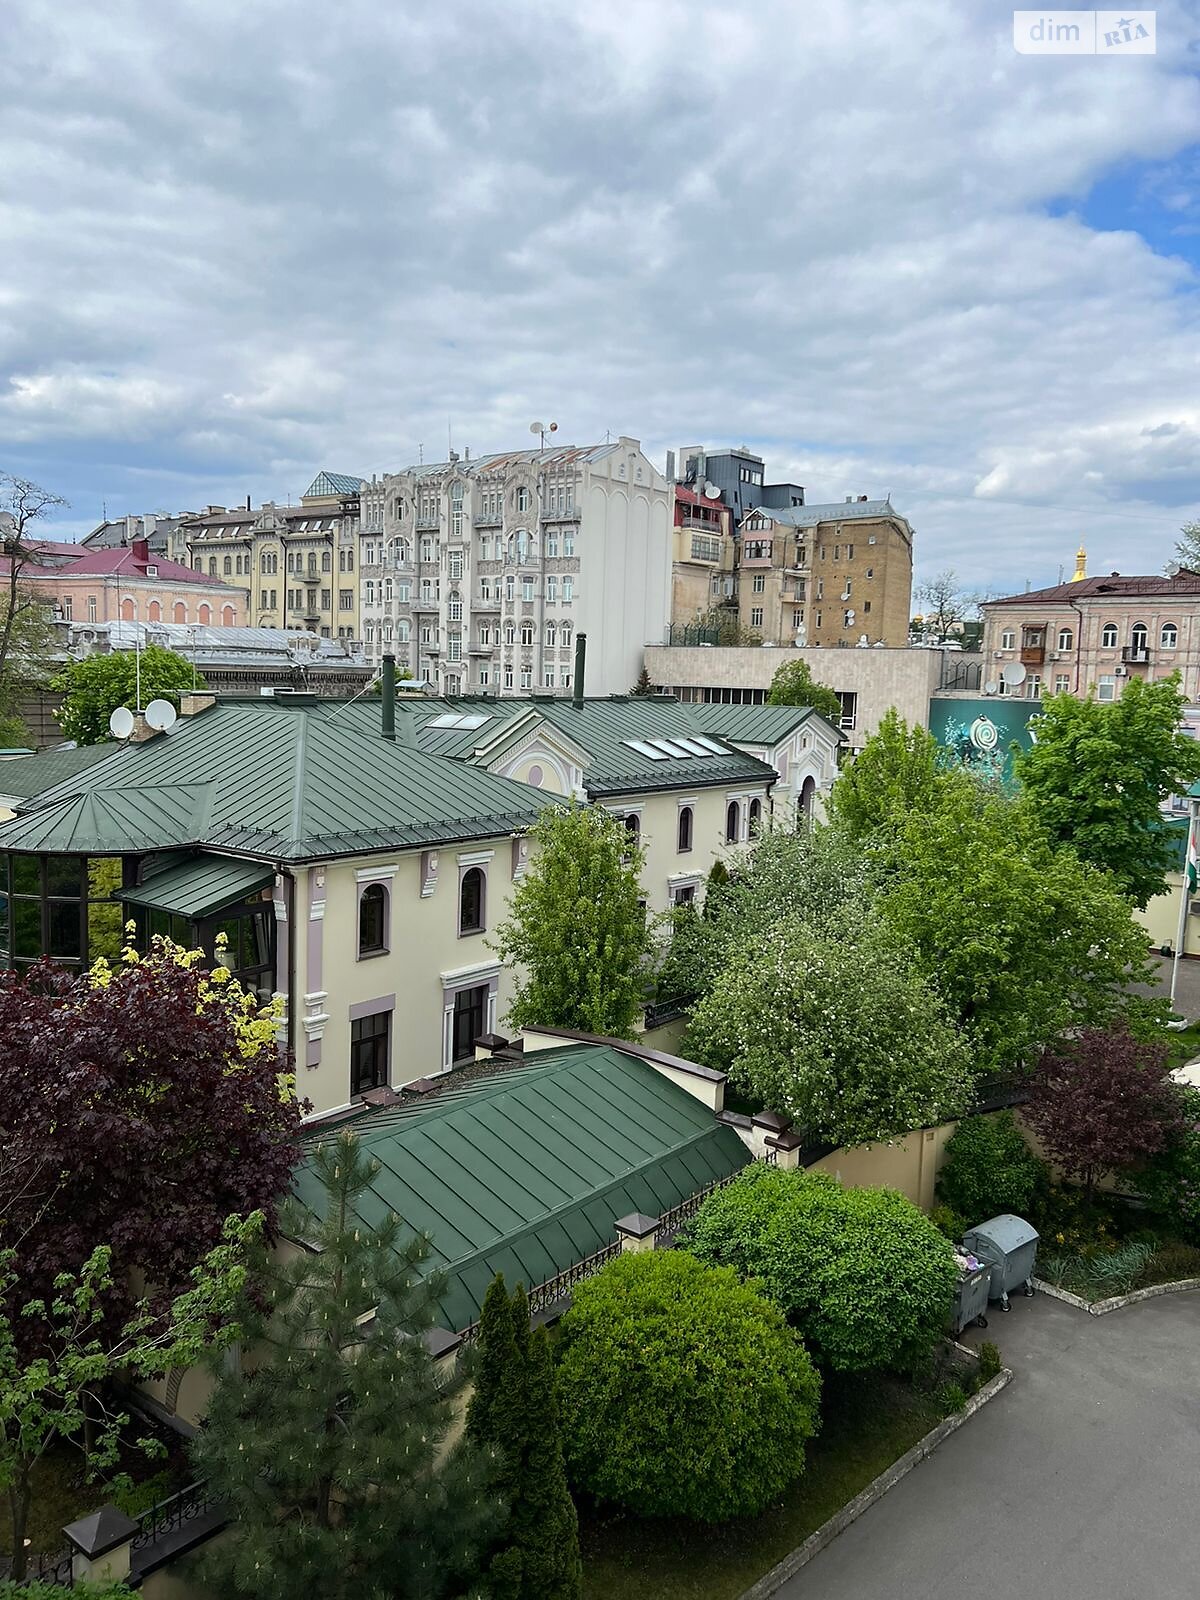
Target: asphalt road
1079	1482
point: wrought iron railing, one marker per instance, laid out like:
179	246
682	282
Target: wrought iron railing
56	1567
999	1090
660	1011
170	1515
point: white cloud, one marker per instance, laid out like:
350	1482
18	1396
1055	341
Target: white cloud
245	242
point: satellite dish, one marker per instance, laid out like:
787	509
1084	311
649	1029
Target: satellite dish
991	687
1014	673
536	427
712	491
121	724
161	715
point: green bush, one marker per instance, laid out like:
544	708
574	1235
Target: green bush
865	1278
989	1361
682	1391
989	1169
54	1591
1170	1182
948	1223
1171	1264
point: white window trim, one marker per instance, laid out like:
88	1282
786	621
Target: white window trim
377	874
476	858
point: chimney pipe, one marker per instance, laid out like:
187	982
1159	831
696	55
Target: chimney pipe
389	697
580	663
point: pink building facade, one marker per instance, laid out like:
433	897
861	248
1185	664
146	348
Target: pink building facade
129	584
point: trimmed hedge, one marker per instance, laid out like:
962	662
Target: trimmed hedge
865	1278
682	1391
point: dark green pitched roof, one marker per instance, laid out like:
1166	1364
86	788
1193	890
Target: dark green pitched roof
603	728
525	1173
201	886
29	775
754	724
286	781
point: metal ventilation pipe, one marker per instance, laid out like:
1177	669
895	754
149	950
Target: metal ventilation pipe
389	697
580	664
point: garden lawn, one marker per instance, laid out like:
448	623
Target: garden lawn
867	1424
1183	1046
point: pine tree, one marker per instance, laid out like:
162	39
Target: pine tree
538	1553
331	1451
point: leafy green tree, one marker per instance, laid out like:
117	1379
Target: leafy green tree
794	685
989	1169
51	1398
97	685
683	1392
1099	772
895	773
575	931
837	1030
79	1591
865	1278
808	878
1022	941
1170	1180
332	1452
514	1412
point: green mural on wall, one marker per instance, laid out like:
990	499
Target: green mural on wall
980	734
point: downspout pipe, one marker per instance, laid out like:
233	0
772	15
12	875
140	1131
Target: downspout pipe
580	666
389	697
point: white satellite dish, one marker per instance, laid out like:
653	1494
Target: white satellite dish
712	491
991	687
121	724
536	427
161	715
1014	673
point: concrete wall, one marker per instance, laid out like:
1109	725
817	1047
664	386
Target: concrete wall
911	1165
881	678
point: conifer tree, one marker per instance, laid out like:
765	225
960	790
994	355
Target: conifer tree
515	1410
331	1450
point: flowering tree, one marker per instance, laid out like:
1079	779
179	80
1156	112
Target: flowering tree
143	1104
835	1029
1103	1103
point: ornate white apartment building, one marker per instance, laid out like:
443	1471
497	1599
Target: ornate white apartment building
477	575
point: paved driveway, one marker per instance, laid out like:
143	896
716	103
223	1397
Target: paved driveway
1081	1481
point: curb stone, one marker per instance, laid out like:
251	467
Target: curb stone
774	1580
1101	1308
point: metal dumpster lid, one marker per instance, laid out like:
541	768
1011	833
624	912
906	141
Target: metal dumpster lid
1006	1233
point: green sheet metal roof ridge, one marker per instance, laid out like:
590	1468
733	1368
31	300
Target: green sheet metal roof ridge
214	881
718	1134
749	722
47	769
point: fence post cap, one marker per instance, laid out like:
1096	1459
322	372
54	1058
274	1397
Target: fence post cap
102	1531
637	1225
441	1342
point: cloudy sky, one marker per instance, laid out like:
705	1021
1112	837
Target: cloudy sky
241	242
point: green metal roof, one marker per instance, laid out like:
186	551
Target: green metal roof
525	1173
765	725
200	886
29	775
285	781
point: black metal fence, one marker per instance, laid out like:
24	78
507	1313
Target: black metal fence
173	1514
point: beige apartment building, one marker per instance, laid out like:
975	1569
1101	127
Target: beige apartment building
1094	634
824	575
297	565
702	549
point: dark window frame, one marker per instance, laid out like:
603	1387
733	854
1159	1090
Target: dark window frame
472	907
370	1052
373	895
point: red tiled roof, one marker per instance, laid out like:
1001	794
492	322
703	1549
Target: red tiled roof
80	561
691	498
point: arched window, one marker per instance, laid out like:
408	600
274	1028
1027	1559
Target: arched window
212	566
471	898
372	920
527	633
733	822
204	615
686	820
1138	636
755	816
1108	636
179	612
154	611
227	615
1168	636
633	825
1066	639
127	613
808	794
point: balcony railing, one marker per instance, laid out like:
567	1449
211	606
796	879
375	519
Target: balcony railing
1135	655
1032	655
561	514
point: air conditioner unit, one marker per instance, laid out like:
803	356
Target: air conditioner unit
1121	672
998	655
